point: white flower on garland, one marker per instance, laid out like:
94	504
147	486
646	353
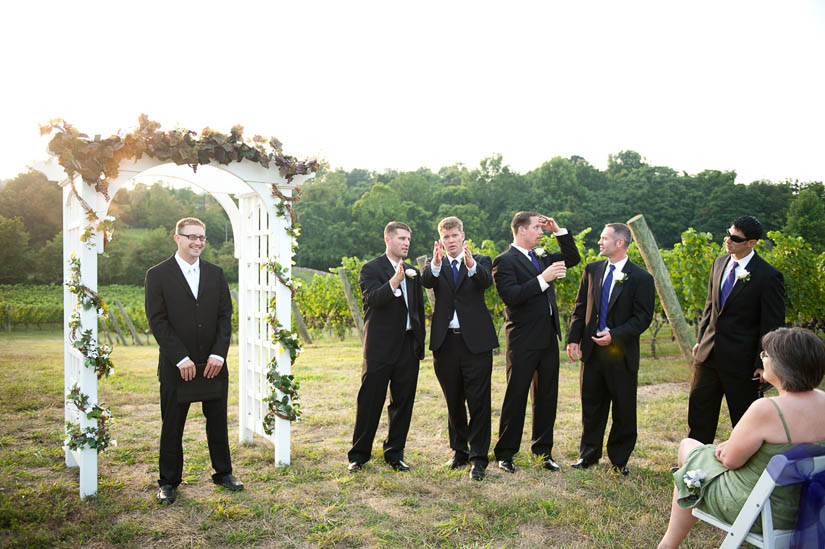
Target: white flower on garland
411	273
539	252
694	479
742	275
619	277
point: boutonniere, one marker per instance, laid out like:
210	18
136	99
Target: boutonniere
539	252
693	481
743	275
411	273
619	277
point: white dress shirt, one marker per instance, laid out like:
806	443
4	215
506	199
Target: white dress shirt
741	264
192	274
402	291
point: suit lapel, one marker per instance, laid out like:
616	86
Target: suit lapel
716	274
753	265
596	286
525	261
177	275
618	286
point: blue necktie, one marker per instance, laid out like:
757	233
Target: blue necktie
608	280
728	284
534	259
454	263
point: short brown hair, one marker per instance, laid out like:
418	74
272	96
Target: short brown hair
450	223
394	226
521	219
188	221
622	231
797	358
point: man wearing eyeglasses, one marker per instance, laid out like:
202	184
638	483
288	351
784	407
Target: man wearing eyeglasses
190	314
746	300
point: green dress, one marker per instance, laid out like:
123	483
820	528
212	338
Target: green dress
724	491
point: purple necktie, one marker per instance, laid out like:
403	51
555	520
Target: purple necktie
608	280
534	259
728	284
454	263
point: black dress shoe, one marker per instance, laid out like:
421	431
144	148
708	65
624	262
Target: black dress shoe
507	465
477	472
399	466
621	469
457	463
229	482
548	463
355	466
166	494
582	463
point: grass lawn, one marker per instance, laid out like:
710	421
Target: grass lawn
315	502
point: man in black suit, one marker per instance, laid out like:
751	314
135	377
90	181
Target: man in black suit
524	277
614	306
190	314
393	344
462	339
746	300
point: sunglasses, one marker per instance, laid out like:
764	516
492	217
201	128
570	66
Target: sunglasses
736	238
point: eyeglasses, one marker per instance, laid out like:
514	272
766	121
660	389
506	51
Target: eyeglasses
194	237
736	238
763	355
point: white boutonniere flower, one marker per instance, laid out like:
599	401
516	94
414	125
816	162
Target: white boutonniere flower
743	275
694	479
410	273
619	277
539	252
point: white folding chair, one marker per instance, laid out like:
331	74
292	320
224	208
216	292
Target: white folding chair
759	502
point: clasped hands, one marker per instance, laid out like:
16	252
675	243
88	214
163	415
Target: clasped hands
602	339
188	370
438	254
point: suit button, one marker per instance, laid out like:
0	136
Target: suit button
200	325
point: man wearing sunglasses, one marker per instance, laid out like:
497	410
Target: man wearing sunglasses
190	314
746	300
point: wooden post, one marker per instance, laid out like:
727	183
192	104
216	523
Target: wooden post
117	329
129	324
8	318
299	320
106	331
670	303
354	310
422	262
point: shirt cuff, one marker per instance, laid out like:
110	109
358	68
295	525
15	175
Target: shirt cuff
184	359
217	357
542	283
471	272
561	232
397	291
435	269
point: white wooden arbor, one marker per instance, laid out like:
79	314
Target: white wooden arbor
260	236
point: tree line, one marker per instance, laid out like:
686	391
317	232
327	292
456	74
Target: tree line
342	213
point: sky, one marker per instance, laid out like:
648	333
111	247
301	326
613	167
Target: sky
722	85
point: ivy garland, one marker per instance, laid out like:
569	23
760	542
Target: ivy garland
97	160
97	354
96	438
284	390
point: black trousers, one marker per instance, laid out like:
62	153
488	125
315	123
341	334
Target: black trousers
709	385
402	379
607	382
537	371
465	377
173	415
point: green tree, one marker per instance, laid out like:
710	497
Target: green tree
37	202
14	251
47	263
806	218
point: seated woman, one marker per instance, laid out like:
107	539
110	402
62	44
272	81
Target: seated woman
794	362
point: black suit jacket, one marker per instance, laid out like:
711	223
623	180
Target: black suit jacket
753	308
385	315
528	322
629	311
467	298
185	326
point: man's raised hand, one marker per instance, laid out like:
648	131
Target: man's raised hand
549	224
437	254
554	271
395	281
469	262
